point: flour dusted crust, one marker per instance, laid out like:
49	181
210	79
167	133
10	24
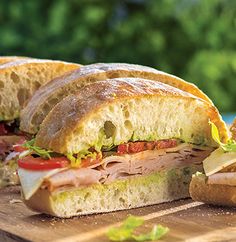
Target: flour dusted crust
212	193
52	93
5	59
134	109
20	78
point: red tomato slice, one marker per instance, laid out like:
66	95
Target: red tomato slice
31	163
122	149
135	147
138	146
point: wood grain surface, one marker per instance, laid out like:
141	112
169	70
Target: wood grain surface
187	220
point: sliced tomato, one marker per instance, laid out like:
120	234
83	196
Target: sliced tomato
135	147
91	161
122	149
166	143
31	163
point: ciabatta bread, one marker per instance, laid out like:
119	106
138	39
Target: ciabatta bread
109	113
5	59
52	93
119	110
19	79
211	193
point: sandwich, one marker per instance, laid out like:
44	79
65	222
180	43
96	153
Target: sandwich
52	93
117	144
217	184
19	79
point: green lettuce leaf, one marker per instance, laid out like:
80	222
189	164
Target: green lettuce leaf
76	160
230	146
126	231
37	150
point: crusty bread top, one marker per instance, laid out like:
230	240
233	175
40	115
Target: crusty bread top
19	79
122	109
49	95
5	59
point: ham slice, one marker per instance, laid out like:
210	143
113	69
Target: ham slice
226	178
115	167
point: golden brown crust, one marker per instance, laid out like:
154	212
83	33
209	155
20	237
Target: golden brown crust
5	59
19	79
65	117
213	194
19	62
49	95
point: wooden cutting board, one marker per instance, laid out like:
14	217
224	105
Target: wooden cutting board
187	220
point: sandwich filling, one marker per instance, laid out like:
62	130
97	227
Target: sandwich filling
124	161
220	166
10	141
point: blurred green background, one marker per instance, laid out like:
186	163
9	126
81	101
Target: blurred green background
193	39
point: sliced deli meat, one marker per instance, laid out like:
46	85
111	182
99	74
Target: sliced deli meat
115	167
223	178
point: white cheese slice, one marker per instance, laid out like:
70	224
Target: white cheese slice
32	180
218	160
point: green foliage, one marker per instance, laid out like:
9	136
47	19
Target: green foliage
194	39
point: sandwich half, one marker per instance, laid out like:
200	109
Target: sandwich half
49	95
117	144
217	183
19	79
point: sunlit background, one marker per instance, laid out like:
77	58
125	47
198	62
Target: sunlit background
193	39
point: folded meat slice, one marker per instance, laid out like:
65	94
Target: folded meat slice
115	167
74	177
224	178
152	160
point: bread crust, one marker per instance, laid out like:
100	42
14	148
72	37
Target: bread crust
49	95
5	59
212	193
58	127
20	78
